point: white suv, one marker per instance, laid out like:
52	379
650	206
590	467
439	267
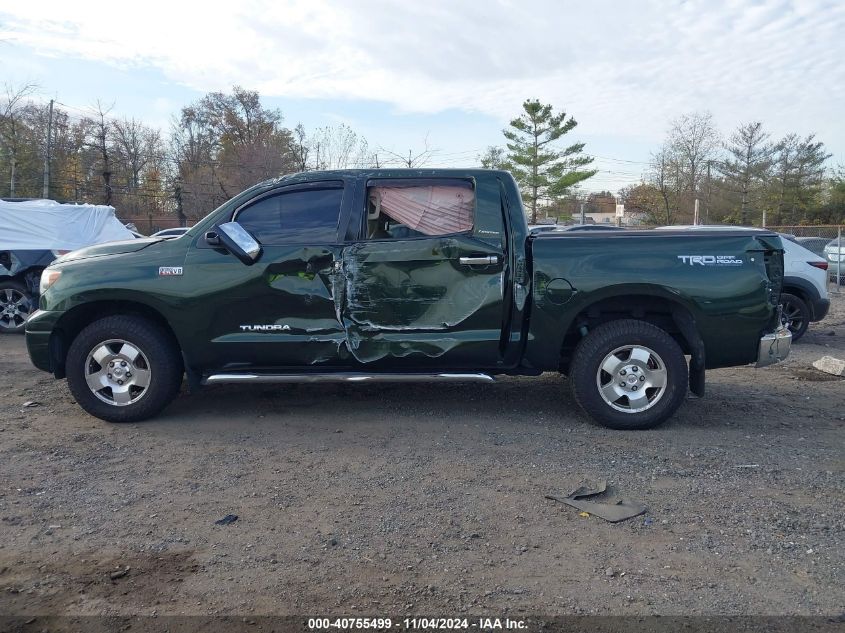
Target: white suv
804	296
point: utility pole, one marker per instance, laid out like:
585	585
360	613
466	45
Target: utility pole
695	220
46	192
707	199
583	214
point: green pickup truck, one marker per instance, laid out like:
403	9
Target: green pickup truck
406	275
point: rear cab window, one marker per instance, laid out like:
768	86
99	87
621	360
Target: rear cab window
413	208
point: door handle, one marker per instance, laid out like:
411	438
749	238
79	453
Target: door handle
481	260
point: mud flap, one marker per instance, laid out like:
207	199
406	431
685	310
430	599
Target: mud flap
696	378
686	324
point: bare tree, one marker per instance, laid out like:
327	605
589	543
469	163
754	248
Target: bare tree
339	147
99	139
412	160
299	148
694	141
131	143
11	128
664	176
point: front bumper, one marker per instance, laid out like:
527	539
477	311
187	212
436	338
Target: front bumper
39	327
774	347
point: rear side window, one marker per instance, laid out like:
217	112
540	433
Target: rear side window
396	211
303	216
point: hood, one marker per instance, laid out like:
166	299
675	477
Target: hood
109	248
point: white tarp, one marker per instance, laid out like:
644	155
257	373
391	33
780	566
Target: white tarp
49	225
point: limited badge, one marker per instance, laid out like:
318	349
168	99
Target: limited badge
169	271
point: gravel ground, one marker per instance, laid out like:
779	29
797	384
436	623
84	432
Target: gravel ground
395	499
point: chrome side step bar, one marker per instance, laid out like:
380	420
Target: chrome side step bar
218	379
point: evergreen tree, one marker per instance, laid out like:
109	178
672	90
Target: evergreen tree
749	160
494	158
541	170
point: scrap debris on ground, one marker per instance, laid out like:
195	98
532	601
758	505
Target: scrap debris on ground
619	510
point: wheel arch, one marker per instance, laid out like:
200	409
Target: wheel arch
73	321
667	313
802	289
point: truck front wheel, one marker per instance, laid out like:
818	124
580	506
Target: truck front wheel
123	369
629	374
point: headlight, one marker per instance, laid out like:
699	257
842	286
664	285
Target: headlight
48	278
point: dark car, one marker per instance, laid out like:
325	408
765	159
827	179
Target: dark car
834	253
33	233
20	272
814	244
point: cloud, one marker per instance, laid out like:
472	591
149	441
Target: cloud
623	69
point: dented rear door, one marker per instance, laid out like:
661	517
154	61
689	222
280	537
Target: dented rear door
425	301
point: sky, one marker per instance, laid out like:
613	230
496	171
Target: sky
450	74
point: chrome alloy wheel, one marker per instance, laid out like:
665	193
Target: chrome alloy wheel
117	372
632	378
15	307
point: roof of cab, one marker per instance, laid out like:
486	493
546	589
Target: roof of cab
392	172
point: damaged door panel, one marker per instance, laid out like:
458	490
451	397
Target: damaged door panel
280	312
414	302
424	281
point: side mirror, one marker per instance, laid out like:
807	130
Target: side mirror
212	239
239	242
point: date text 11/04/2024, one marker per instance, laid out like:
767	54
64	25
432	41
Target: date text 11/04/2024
418	623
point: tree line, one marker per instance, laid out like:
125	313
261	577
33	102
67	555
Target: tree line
216	147
225	142
222	144
746	178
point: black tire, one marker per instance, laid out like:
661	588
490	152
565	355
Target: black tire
796	314
596	348
16	304
158	356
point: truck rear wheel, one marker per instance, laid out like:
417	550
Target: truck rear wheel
629	374
123	369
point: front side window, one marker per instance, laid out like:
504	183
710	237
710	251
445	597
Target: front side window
401	211
304	216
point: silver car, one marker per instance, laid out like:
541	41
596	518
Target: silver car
834	253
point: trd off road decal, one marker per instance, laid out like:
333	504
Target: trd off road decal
711	260
169	271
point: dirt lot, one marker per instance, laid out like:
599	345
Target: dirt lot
425	499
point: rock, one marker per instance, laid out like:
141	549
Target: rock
830	365
120	573
609	572
31	403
